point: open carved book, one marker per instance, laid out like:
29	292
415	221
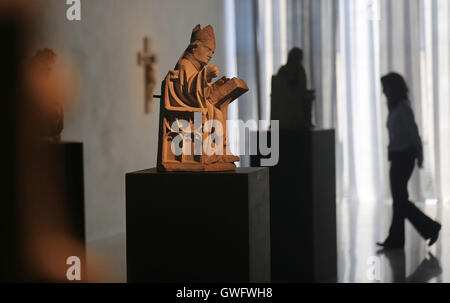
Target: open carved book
227	90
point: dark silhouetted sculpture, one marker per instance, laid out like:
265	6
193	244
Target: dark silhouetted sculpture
193	111
405	147
291	100
46	108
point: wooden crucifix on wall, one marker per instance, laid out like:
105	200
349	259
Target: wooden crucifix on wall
147	59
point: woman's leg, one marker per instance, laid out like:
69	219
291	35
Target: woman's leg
403	208
421	222
399	174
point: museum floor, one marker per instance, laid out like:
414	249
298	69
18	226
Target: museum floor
359	227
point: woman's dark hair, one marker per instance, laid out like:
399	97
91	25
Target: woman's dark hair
396	85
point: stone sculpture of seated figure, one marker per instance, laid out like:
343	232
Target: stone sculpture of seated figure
186	91
291	100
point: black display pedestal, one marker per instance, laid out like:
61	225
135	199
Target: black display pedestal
198	227
303	208
60	198
70	157
73	173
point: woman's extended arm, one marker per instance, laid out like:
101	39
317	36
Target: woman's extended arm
412	130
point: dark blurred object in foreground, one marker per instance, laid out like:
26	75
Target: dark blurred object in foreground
11	28
36	232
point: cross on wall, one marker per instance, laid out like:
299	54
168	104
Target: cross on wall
147	59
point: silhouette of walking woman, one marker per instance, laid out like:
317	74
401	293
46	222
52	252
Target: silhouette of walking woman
405	147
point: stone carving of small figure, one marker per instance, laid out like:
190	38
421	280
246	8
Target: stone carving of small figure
188	89
46	116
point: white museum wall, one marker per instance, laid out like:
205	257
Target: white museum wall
107	113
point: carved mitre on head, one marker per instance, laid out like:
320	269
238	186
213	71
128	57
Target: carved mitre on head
205	36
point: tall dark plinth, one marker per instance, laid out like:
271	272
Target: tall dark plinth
198	227
303	208
73	172
50	204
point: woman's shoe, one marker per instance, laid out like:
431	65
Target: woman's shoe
391	245
435	234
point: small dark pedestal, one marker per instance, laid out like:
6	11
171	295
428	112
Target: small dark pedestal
59	168
67	175
303	208
73	169
198	227
71	156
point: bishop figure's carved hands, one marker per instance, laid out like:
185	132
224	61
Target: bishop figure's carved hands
212	72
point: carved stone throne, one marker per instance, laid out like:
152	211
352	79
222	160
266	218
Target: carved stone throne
168	114
177	119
